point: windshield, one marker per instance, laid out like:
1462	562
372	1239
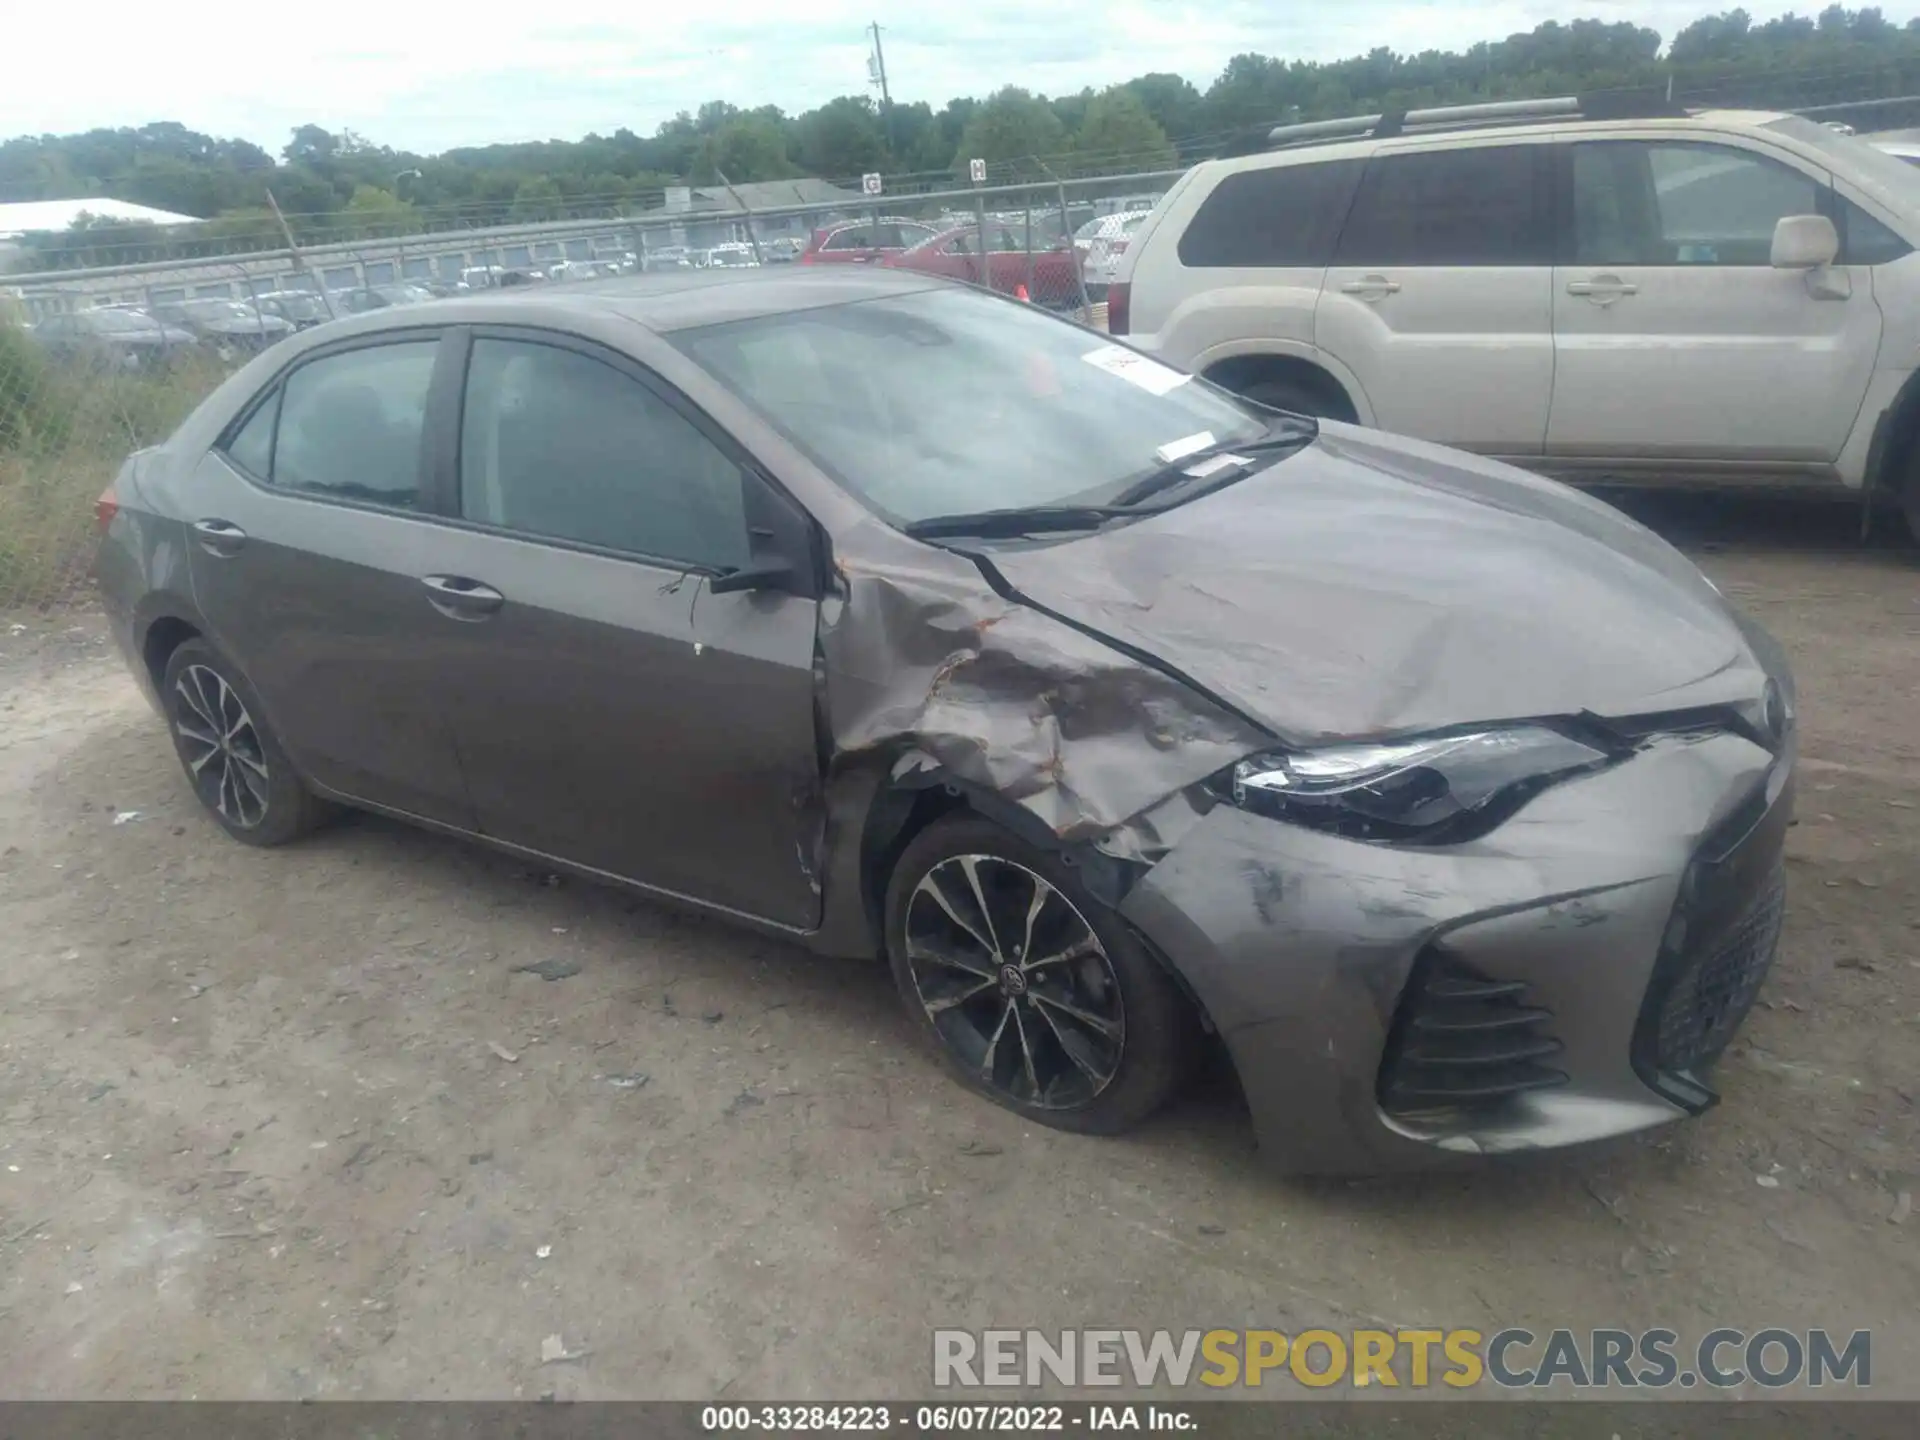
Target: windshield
218	310
1854	157
121	321
949	402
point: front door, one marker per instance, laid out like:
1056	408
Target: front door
1438	299
1674	337
609	710
306	562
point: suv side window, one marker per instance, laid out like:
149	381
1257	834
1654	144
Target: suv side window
351	424
557	444
1483	205
1638	202
1283	215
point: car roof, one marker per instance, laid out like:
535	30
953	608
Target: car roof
668	300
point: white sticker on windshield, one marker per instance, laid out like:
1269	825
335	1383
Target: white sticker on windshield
1186	445
1150	375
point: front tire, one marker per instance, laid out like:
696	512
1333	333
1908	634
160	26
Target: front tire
1032	992
233	761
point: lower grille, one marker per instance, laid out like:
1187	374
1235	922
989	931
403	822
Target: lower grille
1462	1039
1709	994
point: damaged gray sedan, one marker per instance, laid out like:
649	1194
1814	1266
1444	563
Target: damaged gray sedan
901	619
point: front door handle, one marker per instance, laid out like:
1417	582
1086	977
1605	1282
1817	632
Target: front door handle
219	537
1602	289
1371	287
459	598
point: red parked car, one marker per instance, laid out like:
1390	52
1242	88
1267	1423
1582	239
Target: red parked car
861	242
1054	279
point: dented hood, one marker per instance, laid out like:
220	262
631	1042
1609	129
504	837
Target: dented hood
1371	584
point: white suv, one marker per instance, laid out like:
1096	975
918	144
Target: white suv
1727	297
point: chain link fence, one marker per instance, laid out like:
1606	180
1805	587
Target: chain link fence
96	363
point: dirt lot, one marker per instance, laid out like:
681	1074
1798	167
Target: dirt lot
292	1123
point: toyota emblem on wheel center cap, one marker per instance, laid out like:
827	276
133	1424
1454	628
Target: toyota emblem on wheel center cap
1013	980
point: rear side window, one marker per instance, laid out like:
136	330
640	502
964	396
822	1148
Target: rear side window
351	424
1478	206
1285	215
251	447
849	240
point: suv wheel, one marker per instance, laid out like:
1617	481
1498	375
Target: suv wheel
1034	995
232	760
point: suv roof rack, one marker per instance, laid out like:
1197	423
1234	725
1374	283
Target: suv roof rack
1602	105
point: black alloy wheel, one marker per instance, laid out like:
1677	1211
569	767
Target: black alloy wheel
1034	994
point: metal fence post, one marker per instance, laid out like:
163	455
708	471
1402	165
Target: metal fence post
1029	247
980	220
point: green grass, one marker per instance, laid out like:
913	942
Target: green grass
64	430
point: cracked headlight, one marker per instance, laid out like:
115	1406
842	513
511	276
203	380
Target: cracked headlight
1436	790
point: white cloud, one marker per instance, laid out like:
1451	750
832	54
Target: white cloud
431	77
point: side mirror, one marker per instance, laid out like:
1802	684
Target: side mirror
769	574
1804	242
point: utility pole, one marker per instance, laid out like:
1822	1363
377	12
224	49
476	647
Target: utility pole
877	72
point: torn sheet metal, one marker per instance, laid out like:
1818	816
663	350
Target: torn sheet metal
1372	585
924	656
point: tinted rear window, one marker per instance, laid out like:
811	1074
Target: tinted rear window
1479	206
1286	215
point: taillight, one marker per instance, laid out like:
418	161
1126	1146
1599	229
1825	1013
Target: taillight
806	257
1119	296
105	508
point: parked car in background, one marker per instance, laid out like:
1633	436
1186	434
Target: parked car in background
1100	244
1907	150
1051	276
112	336
862	242
301	309
380	297
666	257
1454	801
782	251
229	327
735	256
1713	298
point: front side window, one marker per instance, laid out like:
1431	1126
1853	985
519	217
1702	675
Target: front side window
1659	203
950	401
563	446
1475	206
351	424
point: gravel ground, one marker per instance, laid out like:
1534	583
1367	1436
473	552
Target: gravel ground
295	1124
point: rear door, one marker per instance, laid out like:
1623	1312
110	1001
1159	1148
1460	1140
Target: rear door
1439	297
309	545
1675	338
609	710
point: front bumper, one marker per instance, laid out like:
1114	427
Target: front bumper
1312	954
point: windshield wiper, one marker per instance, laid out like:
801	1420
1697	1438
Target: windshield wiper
1176	473
1035	520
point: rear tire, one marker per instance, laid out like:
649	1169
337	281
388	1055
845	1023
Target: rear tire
233	762
1033	993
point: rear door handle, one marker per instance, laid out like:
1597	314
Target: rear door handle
1371	287
219	537
460	598
1602	289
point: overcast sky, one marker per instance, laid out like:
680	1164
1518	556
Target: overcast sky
474	73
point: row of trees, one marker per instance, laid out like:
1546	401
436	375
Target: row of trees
343	185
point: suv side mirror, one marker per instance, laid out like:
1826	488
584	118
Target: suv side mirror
1804	242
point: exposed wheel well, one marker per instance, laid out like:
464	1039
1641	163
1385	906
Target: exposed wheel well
1238	372
163	637
896	817
1897	473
